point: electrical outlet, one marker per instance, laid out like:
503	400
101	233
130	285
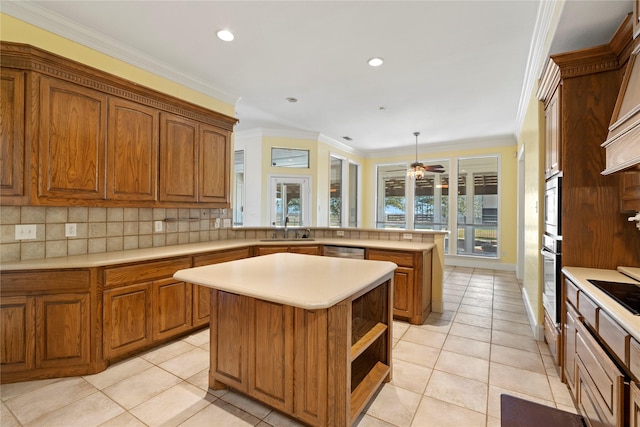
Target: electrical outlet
70	230
25	231
407	236
226	223
216	223
339	232
157	226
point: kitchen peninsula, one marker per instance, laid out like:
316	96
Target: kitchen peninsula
308	335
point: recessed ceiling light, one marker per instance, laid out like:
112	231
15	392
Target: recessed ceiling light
225	35
376	62
292	99
347	138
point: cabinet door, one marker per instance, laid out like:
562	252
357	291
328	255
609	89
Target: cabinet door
17	332
214	164
634	405
132	151
62	330
630	191
271	361
12	148
127	319
266	250
570	347
178	159
72	141
403	281
552	136
172	302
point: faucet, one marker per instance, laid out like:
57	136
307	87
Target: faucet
286	227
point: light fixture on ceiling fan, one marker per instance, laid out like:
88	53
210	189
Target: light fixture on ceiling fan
417	169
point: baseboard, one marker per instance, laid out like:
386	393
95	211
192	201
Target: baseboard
475	262
437	306
536	329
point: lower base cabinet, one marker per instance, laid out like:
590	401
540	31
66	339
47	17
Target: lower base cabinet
172	307
634	405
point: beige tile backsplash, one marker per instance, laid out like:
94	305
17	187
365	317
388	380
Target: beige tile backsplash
101	230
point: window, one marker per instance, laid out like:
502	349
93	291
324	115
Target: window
335	193
343	193
392	201
431	201
238	182
289	158
477	205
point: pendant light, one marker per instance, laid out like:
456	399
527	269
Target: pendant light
416	171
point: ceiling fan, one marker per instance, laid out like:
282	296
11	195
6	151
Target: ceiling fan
417	169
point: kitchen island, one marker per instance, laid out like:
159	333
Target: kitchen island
309	336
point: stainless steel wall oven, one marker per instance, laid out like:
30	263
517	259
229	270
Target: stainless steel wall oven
552	248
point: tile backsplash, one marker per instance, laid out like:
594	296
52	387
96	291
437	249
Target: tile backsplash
100	230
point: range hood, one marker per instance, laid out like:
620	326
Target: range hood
623	142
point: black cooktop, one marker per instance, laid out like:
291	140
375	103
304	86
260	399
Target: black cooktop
627	294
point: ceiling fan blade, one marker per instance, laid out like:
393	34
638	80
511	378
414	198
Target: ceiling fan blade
434	168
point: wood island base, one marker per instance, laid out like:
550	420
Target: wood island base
319	366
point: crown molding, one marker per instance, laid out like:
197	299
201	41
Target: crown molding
296	134
54	23
439	147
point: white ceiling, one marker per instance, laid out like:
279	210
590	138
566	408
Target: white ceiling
453	71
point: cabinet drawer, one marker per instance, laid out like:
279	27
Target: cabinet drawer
144	272
634	358
571	292
600	380
403	259
616	338
588	309
218	257
552	336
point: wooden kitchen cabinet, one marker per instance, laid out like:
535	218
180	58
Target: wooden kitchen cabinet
634	405
202	294
411	283
132	151
47	325
144	305
569	360
99	140
12	135
298	249
552	141
71	142
630	191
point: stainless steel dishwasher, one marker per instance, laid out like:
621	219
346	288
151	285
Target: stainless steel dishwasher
344	252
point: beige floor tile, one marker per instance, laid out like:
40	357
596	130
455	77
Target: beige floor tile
201	380
459	292
467	300
222	414
424	337
512	327
188	363
469	331
452	298
394	405
198	338
367	420
450	306
92	410
510	316
520	380
464	366
467	346
166	352
36	403
461	391
12	390
473	320
514	308
416	353
509	339
399	328
493	422
124	420
479	294
436	413
277	419
522	359
6	417
436	325
473	309
118	372
173	406
247	404
560	391
141	387
410	376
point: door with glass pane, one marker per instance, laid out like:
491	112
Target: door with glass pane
392	200
290	197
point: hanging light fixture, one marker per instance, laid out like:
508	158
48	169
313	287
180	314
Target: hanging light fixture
416	170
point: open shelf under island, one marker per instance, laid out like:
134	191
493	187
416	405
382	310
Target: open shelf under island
309	336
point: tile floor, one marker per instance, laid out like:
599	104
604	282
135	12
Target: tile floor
448	372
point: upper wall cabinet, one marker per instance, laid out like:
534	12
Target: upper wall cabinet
100	140
12	140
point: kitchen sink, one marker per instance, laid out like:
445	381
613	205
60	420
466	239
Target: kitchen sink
298	239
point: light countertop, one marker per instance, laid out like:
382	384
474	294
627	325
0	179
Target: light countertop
580	275
137	255
304	281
